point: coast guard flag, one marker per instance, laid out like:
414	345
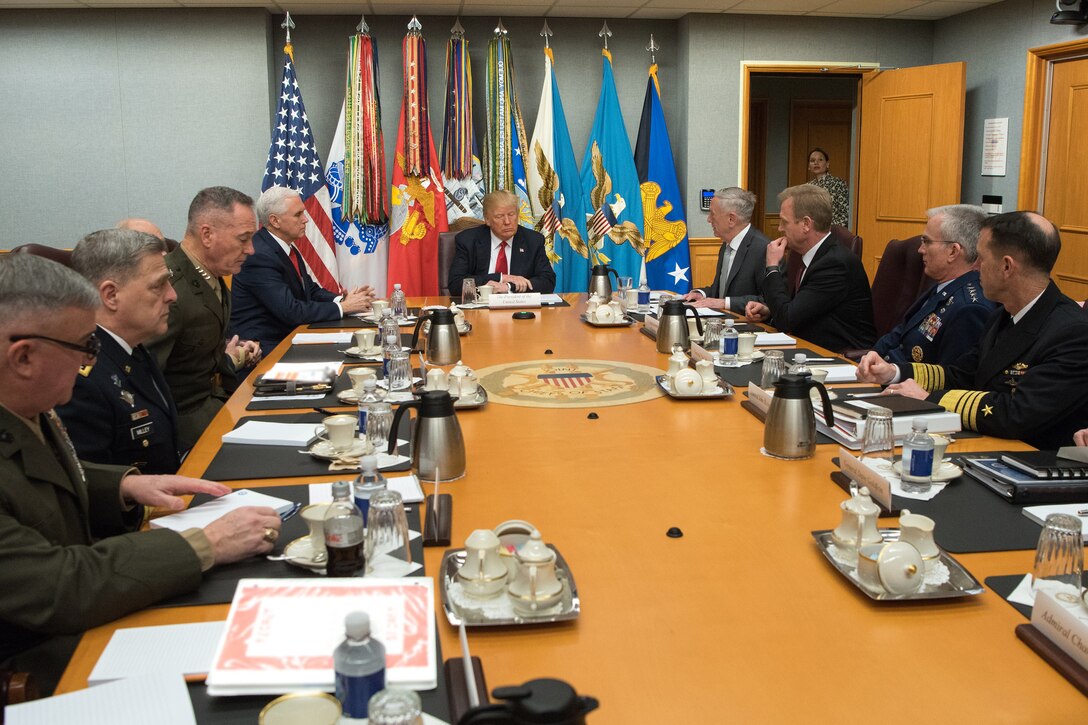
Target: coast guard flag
293	162
361	249
610	186
665	234
555	189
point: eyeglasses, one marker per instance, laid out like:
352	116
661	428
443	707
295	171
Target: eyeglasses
90	349
927	241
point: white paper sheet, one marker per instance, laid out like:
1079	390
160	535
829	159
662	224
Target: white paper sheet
407	486
162	699
202	515
550	299
1038	514
839	373
178	649
315	372
262	433
1023	594
774	338
314	338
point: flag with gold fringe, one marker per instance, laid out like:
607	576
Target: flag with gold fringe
555	188
462	174
356	172
610	185
665	231
505	168
418	212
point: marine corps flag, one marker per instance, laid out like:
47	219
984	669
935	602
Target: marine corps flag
462	174
555	189
418	214
665	231
610	186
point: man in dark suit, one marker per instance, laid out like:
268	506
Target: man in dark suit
121	411
740	259
1024	378
831	304
198	366
71	557
946	321
501	254
273	293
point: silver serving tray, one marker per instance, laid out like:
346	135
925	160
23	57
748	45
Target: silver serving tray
727	391
568	608
478	400
625	322
960	581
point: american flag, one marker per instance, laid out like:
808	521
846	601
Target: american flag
549	221
602	221
293	161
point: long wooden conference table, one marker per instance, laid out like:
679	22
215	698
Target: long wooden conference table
740	620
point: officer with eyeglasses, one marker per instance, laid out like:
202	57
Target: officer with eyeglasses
122	411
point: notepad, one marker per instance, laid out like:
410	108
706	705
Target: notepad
262	433
407	486
316	372
162	699
774	338
314	338
178	649
200	516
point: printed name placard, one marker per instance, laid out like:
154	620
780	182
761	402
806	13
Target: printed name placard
514	299
880	488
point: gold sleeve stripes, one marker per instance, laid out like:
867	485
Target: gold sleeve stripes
965	402
930	377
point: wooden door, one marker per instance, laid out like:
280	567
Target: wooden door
1065	186
911	151
820	123
757	156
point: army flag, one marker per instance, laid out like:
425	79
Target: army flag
610	186
505	168
665	231
555	188
418	212
462	174
293	162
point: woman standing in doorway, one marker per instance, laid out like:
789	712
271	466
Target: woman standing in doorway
818	165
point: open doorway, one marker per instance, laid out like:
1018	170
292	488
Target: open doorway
789	116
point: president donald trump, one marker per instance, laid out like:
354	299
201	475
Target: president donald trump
502	254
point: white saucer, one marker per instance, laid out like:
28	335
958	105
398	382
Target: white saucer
324	451
301	551
348	396
354	351
756	355
946	472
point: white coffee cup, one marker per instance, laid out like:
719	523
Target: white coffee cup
358	376
314	516
339	431
364	339
484	291
746	345
379	306
940	443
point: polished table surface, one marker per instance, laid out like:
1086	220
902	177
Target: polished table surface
742	619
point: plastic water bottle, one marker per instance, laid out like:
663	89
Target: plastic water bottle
371	394
644	297
399	303
917	465
388	325
359	662
390	345
344	533
727	346
369	482
800	365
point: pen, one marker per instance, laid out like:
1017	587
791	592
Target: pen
289	513
323	411
1082	512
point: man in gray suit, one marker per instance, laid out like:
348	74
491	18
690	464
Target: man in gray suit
740	261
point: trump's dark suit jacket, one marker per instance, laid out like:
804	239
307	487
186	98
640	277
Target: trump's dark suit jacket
269	299
833	306
745	272
472	258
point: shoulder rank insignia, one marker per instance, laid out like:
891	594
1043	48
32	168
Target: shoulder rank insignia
86	370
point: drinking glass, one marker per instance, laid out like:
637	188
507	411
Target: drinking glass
395	706
878	442
468	291
1059	557
379	418
387	551
774	366
400	371
712	333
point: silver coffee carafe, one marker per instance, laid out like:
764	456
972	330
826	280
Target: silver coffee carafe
672	327
436	440
790	429
443	341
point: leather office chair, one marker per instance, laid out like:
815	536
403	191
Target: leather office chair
900	280
64	256
446	248
846	238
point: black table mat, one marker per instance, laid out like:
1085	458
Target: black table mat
237	461
330	351
1004	585
744	376
220	581
352	322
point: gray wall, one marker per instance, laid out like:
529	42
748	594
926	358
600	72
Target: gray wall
994	41
114	113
